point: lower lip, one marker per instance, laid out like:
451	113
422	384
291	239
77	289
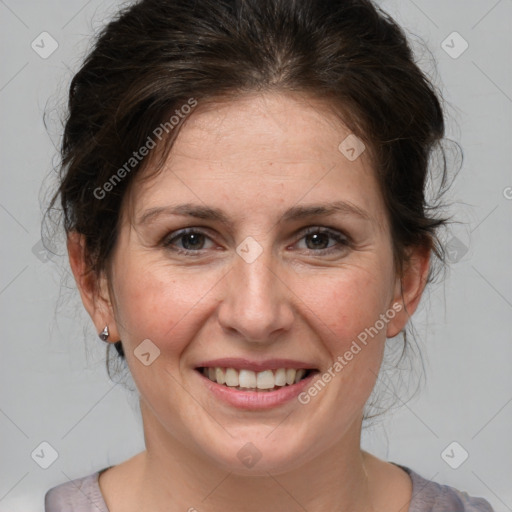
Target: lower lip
256	400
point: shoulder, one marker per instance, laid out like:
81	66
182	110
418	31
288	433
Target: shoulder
429	496
80	495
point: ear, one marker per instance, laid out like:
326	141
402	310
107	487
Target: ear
93	289
409	288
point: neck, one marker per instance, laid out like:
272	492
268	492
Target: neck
176	477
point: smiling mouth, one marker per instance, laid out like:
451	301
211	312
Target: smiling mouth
248	380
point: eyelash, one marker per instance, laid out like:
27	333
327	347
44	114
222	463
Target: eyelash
343	241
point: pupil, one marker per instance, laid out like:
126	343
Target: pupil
315	238
193	237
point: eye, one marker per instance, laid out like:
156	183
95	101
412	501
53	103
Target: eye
192	241
318	239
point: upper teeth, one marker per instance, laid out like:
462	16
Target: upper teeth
266	379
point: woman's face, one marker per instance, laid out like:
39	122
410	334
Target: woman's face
266	278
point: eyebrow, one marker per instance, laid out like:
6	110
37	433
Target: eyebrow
215	214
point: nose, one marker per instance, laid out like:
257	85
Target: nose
257	303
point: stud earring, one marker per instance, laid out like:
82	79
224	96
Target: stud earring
104	334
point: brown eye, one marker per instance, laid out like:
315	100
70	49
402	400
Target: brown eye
188	241
317	240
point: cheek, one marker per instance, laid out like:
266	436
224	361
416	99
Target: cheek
163	304
348	307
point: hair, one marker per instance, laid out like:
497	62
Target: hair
157	55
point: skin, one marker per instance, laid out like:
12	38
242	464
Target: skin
254	158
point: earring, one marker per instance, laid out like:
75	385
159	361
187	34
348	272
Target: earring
104	334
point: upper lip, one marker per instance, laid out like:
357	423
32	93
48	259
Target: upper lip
256	366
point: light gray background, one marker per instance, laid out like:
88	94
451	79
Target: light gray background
54	387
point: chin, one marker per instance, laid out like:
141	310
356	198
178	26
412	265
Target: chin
257	452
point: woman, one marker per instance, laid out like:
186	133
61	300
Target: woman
243	196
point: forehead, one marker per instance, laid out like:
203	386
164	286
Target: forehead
271	147
262	128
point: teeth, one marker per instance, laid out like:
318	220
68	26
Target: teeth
231	377
290	376
300	373
265	380
247	379
280	378
220	376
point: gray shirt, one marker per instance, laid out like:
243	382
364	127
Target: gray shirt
84	495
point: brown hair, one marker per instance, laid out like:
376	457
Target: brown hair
158	54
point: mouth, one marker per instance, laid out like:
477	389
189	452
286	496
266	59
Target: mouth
247	380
